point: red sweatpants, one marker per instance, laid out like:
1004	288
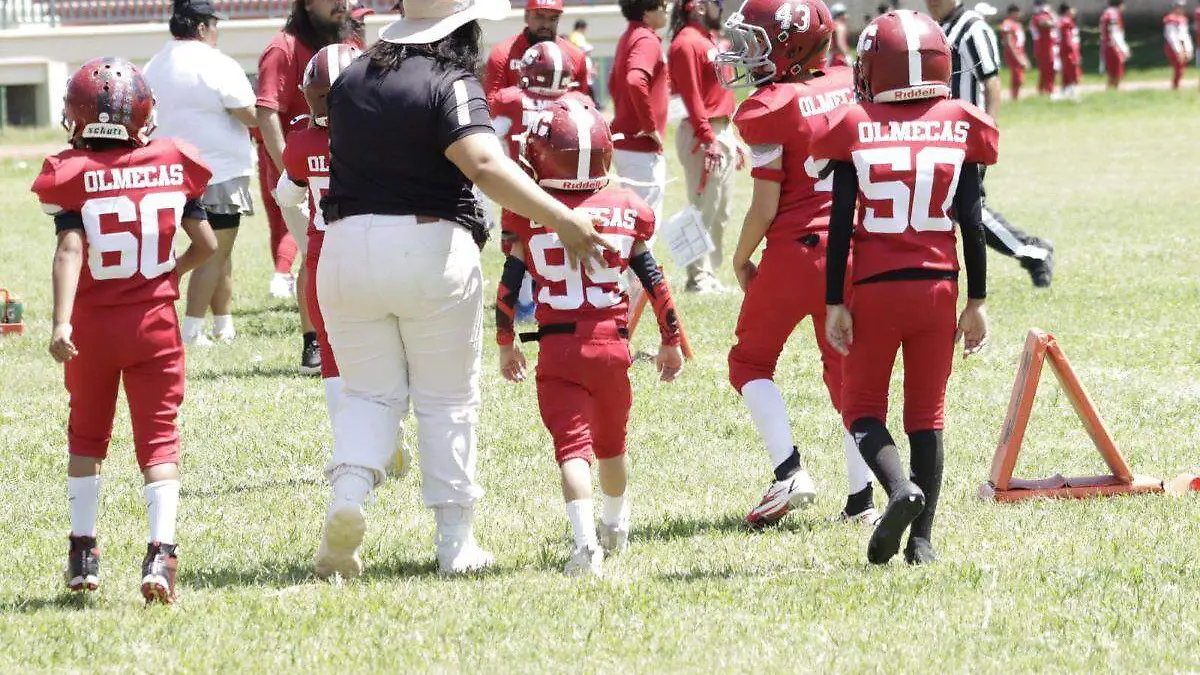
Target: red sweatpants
918	317
583	391
1178	64
329	366
1046	76
1114	66
790	286
140	344
1072	72
283	247
1018	79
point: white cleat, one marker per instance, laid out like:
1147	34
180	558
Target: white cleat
198	340
869	517
338	554
795	492
225	337
614	538
462	557
585	561
283	286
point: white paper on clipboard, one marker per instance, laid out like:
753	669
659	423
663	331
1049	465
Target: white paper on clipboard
686	236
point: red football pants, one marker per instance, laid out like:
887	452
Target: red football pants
329	366
283	246
790	286
140	344
1017	79
1114	66
1072	72
583	391
918	317
1178	63
1046	75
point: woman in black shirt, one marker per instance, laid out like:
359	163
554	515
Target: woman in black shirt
399	280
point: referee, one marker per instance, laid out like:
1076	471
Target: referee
974	78
399	279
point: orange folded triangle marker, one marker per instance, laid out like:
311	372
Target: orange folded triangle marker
1001	485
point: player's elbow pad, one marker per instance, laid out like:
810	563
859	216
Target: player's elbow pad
506	299
655	284
288	193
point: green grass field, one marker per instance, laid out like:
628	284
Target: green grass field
1096	586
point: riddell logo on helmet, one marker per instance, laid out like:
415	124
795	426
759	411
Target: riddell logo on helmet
929	91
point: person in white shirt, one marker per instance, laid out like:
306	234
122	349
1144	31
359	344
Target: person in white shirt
204	98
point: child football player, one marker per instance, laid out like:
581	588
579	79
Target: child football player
790	209
583	364
117	199
911	157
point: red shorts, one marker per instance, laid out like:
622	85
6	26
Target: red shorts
790	286
918	317
583	391
329	366
139	344
1114	65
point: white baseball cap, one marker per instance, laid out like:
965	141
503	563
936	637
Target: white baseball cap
426	21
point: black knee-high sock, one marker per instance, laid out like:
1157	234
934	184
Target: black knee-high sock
878	450
928	456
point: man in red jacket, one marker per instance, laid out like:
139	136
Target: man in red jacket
638	86
541	25
705	143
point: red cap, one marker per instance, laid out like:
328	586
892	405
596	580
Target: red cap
549	5
358	11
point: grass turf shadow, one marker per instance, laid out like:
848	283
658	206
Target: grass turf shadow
66	600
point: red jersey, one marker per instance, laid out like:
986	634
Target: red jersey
1044	28
1069	32
780	120
1175	31
566	294
1013	37
638	86
280	72
1112	30
306	160
520	107
504	64
690	61
909	158
131	201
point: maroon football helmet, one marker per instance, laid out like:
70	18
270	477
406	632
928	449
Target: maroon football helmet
546	69
902	56
108	99
320	74
569	147
774	41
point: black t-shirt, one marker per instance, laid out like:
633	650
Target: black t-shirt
388	133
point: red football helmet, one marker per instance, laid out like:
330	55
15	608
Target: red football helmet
902	55
569	147
546	69
107	98
774	40
320	74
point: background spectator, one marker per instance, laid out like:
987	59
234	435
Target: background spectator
1072	58
638	86
541	25
1178	43
1114	51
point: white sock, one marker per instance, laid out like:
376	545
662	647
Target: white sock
583	522
162	504
454	523
191	328
333	395
767	409
858	474
223	326
83	497
351	485
613	509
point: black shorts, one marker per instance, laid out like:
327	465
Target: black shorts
224	221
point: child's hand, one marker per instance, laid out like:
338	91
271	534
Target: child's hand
669	362
839	328
972	328
61	347
512	363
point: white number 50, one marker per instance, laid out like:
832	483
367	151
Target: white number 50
908	206
125	244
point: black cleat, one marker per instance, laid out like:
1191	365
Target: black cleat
158	573
310	357
83	564
1041	272
904	506
919	552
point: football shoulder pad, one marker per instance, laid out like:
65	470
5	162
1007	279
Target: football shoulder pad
768	116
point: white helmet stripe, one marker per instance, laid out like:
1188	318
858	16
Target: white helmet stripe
583	125
912	34
333	62
556	56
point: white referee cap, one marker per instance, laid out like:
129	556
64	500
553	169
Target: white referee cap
426	21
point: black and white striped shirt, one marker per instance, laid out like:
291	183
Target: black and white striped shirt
975	55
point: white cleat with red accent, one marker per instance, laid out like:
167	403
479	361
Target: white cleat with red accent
794	492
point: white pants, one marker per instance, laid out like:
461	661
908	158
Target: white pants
649	171
403	304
